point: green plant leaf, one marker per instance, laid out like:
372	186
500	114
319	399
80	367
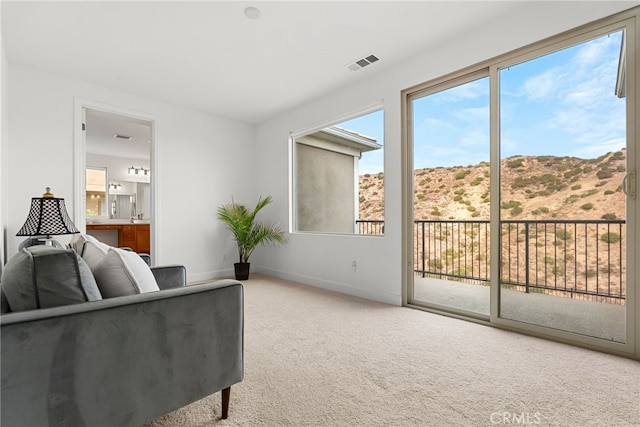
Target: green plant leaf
247	232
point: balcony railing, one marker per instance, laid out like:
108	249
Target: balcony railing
575	258
370	226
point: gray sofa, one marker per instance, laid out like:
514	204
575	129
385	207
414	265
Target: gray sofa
122	361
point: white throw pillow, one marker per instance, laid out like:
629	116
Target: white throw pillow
123	272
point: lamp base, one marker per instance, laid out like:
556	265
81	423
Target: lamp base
48	241
39	240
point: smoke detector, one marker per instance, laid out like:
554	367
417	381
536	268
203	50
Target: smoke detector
362	62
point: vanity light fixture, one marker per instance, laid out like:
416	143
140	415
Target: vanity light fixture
115	186
139	171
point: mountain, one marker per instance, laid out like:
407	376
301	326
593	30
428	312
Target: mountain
532	187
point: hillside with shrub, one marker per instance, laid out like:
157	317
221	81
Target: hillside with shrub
532	187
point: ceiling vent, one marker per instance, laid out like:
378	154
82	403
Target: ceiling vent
363	62
119	136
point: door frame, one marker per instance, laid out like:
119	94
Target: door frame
79	148
625	20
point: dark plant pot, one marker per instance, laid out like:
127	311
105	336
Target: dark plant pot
242	270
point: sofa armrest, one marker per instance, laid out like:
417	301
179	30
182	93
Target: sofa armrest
170	276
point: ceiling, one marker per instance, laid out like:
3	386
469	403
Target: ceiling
209	56
108	134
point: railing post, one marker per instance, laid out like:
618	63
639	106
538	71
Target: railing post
526	256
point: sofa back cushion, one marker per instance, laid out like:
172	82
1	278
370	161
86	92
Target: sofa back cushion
44	276
123	272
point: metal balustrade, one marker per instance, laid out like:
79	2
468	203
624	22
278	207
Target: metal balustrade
372	227
575	258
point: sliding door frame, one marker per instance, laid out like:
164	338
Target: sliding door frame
626	21
462	78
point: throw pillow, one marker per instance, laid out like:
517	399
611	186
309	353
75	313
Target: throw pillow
93	252
123	272
77	240
44	276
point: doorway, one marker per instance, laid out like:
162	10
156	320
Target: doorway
120	209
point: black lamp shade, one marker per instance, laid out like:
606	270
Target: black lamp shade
48	216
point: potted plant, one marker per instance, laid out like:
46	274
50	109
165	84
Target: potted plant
247	232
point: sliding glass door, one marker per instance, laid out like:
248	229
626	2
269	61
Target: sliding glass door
563	210
520	196
451	196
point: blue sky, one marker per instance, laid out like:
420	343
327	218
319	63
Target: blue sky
560	104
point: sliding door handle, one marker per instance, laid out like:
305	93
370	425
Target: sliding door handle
629	184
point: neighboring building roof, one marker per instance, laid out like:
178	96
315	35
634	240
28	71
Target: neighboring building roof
349	138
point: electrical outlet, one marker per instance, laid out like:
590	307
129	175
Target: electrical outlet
354	266
224	256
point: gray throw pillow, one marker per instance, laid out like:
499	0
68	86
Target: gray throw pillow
122	273
93	253
43	276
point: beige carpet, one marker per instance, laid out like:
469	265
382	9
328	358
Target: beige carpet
318	358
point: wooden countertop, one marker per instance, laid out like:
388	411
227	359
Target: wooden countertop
114	226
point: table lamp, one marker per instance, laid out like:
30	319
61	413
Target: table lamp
47	217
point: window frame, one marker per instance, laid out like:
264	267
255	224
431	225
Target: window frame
293	152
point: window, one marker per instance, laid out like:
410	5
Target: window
338	177
96	192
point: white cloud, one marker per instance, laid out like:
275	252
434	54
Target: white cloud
579	101
558	104
430	122
441	155
591	53
595	150
541	85
470	90
473	114
476	138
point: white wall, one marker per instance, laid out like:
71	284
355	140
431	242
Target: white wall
325	260
202	161
4	127
118	167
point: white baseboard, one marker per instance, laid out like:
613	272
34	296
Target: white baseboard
333	286
210	275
